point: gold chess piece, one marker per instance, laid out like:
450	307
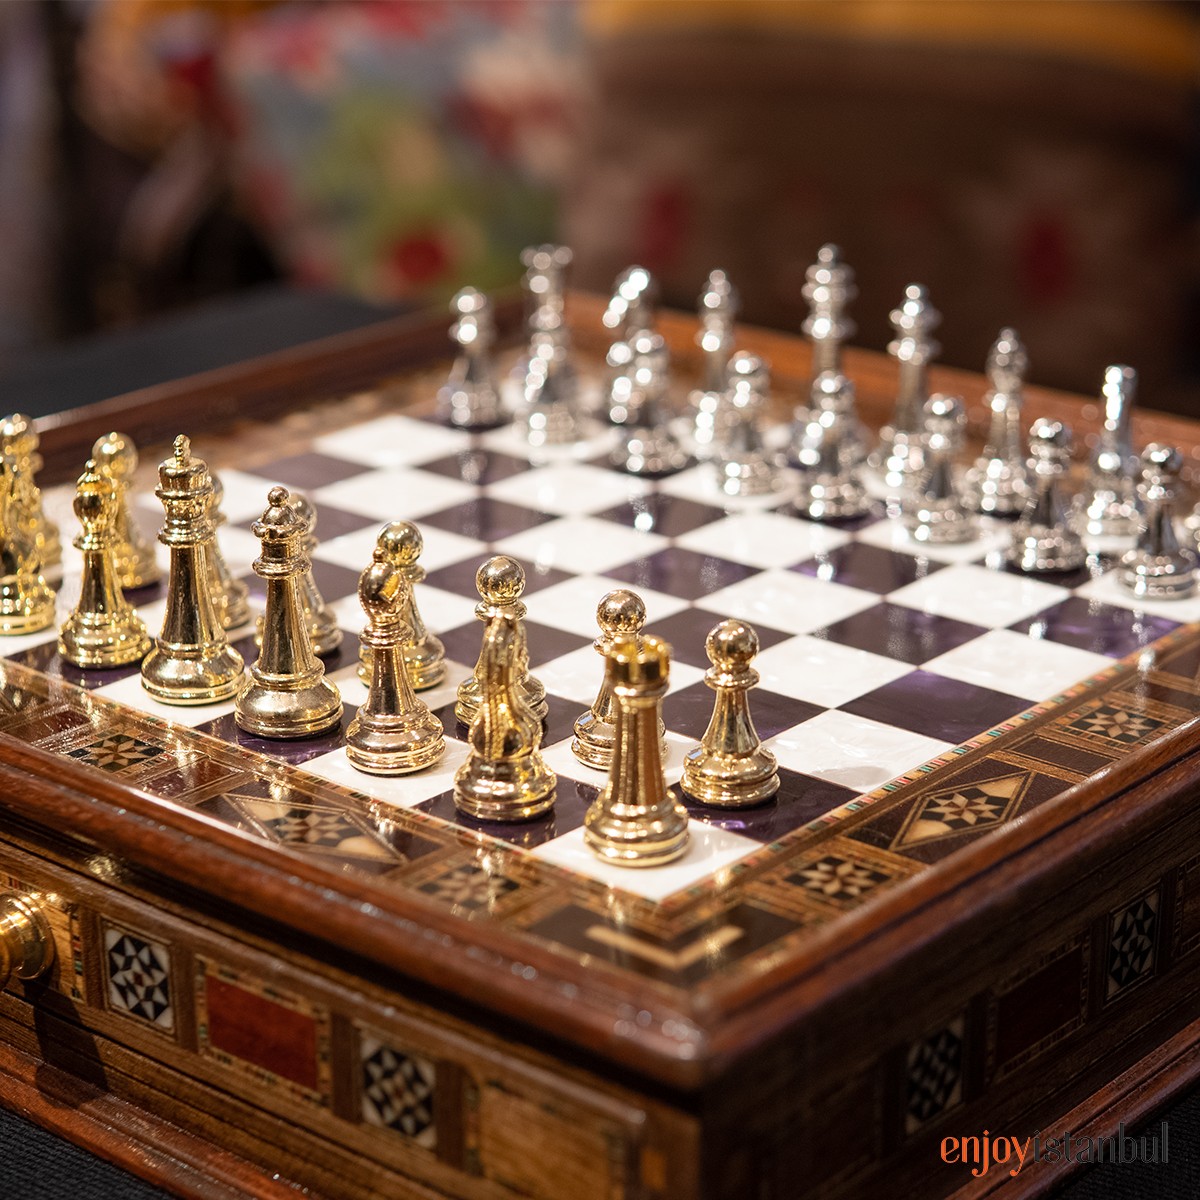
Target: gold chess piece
19	440
26	599
191	661
393	732
400	544
637	821
232	595
730	768
319	619
287	694
620	614
504	777
500	582
133	553
102	630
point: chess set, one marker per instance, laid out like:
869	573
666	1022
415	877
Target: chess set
632	792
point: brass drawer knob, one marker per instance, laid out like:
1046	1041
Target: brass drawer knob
26	944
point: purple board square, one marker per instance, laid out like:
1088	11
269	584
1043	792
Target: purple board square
683	573
463	643
893	631
686	632
148	594
309	471
800	799
459	577
559	724
947	709
571	803
547	644
872	516
657	512
333	580
1093	625
1092	569
688	710
293	751
487	520
477	466
868	568
45	658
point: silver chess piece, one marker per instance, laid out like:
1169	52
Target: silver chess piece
647	445
832	402
997	482
549	412
718	306
743	465
1043	538
900	443
828	288
470	398
935	510
1107	507
631	309
831	487
1158	567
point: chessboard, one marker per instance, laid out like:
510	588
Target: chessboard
914	927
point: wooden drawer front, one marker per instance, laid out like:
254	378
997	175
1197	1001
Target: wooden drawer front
399	1086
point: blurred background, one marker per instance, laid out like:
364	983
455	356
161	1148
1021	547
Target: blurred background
1035	164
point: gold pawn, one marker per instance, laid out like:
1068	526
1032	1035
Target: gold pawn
287	694
102	630
116	456
26	599
637	821
620	614
731	768
19	440
504	777
393	732
500	582
400	544
191	661
232	595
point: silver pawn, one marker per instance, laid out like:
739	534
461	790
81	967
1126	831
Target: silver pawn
997	482
1158	567
743	465
828	288
647	445
831	488
935	512
1107	508
1043	539
900	443
832	402
470	398
550	396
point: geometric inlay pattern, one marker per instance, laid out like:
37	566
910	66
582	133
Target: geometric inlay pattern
1111	724
933	1076
838	878
116	752
470	887
965	808
397	1091
139	977
1131	941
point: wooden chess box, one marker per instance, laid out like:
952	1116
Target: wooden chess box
266	978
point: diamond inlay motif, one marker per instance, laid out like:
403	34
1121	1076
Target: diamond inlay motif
398	1091
1131	941
933	1079
967	808
139	977
116	752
